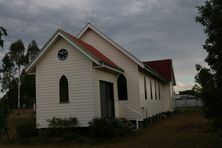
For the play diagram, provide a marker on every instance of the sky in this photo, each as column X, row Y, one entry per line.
column 149, row 29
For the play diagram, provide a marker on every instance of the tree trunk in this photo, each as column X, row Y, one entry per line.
column 19, row 106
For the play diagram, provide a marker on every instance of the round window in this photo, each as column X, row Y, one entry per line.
column 62, row 54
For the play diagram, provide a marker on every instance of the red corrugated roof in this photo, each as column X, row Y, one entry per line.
column 163, row 68
column 92, row 50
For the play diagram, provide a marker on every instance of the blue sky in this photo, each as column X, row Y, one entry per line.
column 149, row 29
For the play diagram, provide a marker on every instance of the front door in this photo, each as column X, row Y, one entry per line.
column 107, row 100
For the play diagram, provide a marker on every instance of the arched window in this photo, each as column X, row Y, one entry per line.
column 122, row 88
column 63, row 90
column 151, row 89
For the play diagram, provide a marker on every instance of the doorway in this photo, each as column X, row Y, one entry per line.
column 107, row 100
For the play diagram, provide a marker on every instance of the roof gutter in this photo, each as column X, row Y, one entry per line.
column 103, row 65
column 151, row 71
column 87, row 26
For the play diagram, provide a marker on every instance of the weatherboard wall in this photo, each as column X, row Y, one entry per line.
column 169, row 103
column 130, row 71
column 79, row 71
column 100, row 75
column 150, row 106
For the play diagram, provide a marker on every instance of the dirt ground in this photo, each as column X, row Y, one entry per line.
column 183, row 130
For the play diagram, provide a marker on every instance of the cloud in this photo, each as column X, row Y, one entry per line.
column 183, row 86
column 149, row 29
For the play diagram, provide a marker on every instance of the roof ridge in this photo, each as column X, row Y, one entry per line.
column 111, row 41
column 158, row 60
column 90, row 51
column 164, row 68
column 116, row 45
column 97, row 52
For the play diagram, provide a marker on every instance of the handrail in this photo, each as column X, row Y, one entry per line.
column 130, row 108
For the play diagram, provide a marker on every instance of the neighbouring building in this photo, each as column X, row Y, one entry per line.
column 186, row 100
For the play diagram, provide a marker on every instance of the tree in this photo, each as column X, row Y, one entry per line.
column 197, row 91
column 3, row 33
column 32, row 50
column 7, row 78
column 16, row 53
column 187, row 92
column 10, row 74
column 11, row 67
column 7, row 72
column 210, row 79
column 28, row 81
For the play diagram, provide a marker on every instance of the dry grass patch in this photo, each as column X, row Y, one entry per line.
column 184, row 130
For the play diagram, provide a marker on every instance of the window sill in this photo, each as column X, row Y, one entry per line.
column 64, row 102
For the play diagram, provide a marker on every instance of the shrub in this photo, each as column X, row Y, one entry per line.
column 26, row 130
column 60, row 127
column 107, row 128
column 168, row 113
column 62, row 122
column 217, row 122
column 3, row 116
column 70, row 136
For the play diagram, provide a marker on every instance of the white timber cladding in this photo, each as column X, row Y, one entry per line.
column 172, row 96
column 108, row 77
column 84, row 84
column 79, row 71
column 130, row 71
column 167, row 93
column 150, row 107
column 148, row 87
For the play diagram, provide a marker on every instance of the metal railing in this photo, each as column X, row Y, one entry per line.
column 139, row 115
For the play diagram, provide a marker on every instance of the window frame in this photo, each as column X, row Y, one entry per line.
column 151, row 90
column 63, row 90
column 155, row 90
column 159, row 90
column 145, row 87
column 122, row 90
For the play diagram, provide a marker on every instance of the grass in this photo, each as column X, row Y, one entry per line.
column 187, row 129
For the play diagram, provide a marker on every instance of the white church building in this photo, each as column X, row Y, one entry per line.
column 91, row 76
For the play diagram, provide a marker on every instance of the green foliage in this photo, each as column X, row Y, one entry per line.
column 107, row 128
column 210, row 79
column 210, row 17
column 65, row 133
column 195, row 91
column 217, row 122
column 7, row 70
column 211, row 95
column 188, row 92
column 16, row 52
column 3, row 32
column 62, row 122
column 11, row 66
column 12, row 63
column 70, row 136
column 26, row 130
column 7, row 63
column 3, row 116
column 61, row 127
column 32, row 50
column 27, row 83
column 11, row 95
